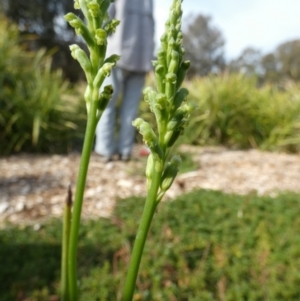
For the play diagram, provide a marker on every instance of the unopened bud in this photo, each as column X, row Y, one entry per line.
column 94, row 8
column 112, row 59
column 104, row 5
column 146, row 131
column 170, row 173
column 76, row 4
column 179, row 98
column 80, row 27
column 80, row 55
column 182, row 72
column 104, row 97
column 103, row 72
column 101, row 36
column 159, row 75
column 111, row 26
column 170, row 85
column 170, row 140
column 173, row 66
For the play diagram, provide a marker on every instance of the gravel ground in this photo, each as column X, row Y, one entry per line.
column 34, row 187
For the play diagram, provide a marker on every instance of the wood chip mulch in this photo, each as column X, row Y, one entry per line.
column 33, row 187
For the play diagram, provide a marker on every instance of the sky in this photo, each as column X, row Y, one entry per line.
column 263, row 24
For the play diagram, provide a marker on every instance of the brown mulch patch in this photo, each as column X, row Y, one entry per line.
column 34, row 187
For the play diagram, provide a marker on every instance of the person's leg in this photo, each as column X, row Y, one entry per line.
column 133, row 85
column 105, row 142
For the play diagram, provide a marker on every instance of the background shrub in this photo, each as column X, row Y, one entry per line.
column 39, row 112
column 233, row 111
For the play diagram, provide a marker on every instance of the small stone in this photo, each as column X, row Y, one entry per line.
column 37, row 227
column 20, row 206
column 3, row 207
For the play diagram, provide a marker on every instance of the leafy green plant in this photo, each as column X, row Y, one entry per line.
column 168, row 105
column 172, row 112
column 37, row 112
column 94, row 30
column 204, row 245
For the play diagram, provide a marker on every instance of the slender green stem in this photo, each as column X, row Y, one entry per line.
column 141, row 237
column 81, row 180
column 65, row 248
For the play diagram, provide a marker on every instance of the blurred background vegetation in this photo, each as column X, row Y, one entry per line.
column 250, row 101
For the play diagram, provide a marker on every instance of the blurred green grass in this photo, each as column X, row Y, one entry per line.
column 204, row 245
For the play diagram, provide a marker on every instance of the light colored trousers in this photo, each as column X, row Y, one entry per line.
column 130, row 84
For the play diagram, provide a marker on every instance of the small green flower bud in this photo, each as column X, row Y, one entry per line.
column 104, row 97
column 159, row 76
column 173, row 17
column 76, row 4
column 149, row 137
column 161, row 57
column 171, row 47
column 172, row 124
column 171, row 37
column 112, row 59
column 104, row 5
column 164, row 42
column 94, row 8
column 182, row 72
column 167, row 25
column 70, row 16
column 150, row 97
column 170, row 173
column 146, row 131
column 160, row 107
column 173, row 66
column 172, row 139
column 80, row 28
column 149, row 167
column 178, row 27
column 170, row 85
column 79, row 55
column 188, row 108
column 111, row 26
column 103, row 72
column 179, row 98
column 101, row 37
column 161, row 100
column 85, row 10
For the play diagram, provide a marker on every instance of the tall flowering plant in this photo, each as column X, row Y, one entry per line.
column 94, row 30
column 169, row 105
column 172, row 112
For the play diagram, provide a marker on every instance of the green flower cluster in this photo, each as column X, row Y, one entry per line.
column 95, row 30
column 168, row 103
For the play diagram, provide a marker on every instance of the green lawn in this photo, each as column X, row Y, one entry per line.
column 202, row 246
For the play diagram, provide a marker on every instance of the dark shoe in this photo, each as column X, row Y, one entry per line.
column 124, row 158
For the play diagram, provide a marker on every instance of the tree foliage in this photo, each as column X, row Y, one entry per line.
column 43, row 19
column 281, row 64
column 248, row 62
column 204, row 45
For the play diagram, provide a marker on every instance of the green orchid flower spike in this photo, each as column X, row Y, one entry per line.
column 94, row 29
column 172, row 112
